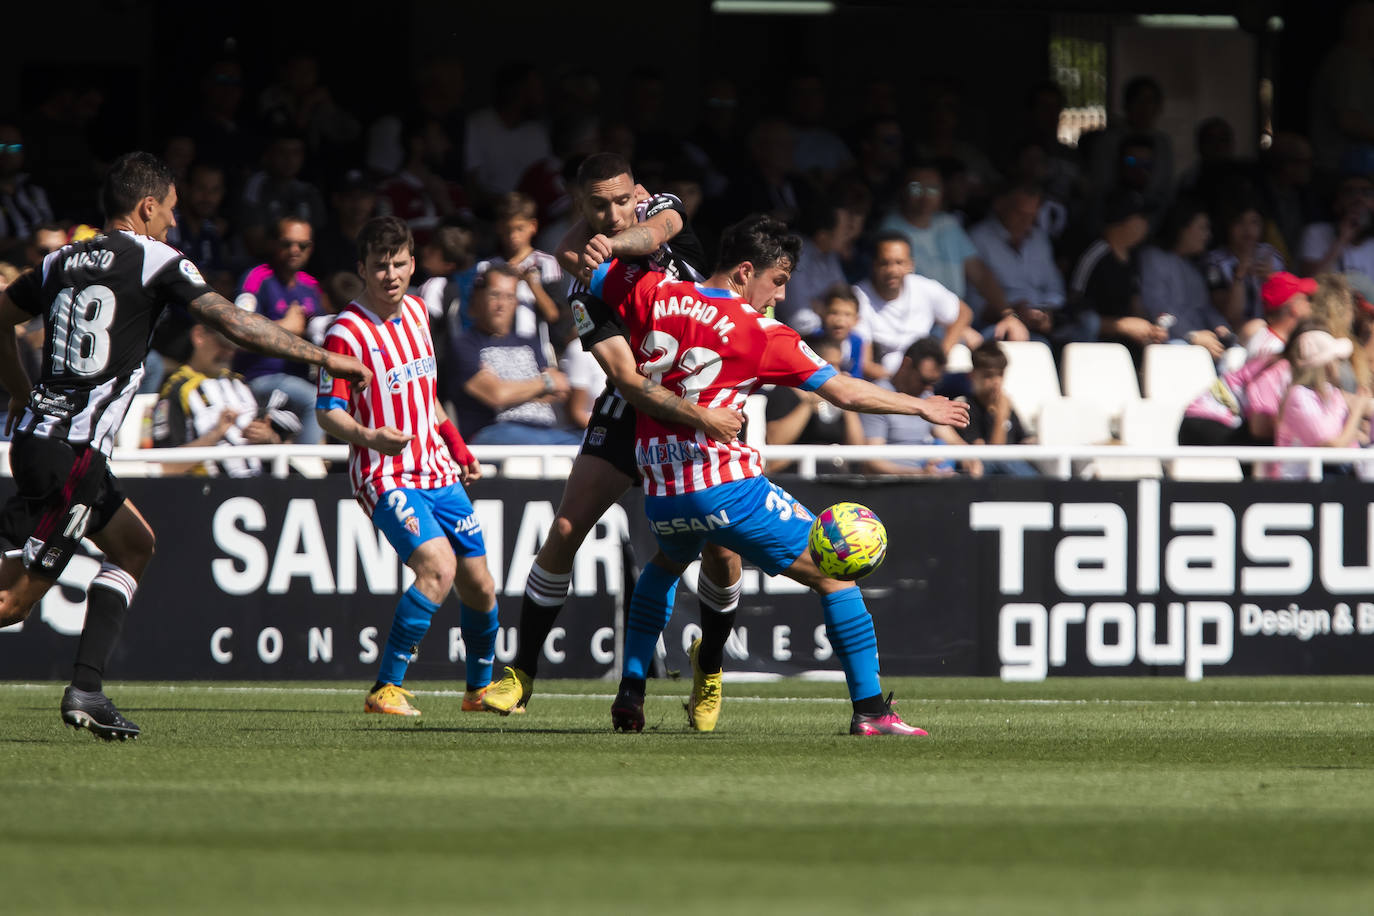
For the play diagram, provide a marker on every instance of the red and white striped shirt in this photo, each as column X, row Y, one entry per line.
column 400, row 353
column 708, row 346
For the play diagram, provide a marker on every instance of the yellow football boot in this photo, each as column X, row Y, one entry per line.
column 703, row 707
column 391, row 700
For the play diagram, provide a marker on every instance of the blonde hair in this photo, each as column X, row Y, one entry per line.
column 1333, row 305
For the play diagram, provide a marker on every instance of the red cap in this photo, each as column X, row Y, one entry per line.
column 1282, row 286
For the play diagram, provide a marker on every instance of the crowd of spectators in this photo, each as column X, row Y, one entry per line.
column 915, row 240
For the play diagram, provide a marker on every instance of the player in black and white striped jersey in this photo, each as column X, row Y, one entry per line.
column 622, row 220
column 100, row 299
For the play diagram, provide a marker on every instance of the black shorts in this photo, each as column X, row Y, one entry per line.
column 65, row 492
column 610, row 433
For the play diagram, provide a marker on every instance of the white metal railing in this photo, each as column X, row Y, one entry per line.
column 1058, row 459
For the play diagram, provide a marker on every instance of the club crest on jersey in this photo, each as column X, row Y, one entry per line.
column 398, row 378
column 412, row 525
column 597, row 436
column 191, row 272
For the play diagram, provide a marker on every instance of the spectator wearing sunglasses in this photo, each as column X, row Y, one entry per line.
column 282, row 291
column 23, row 205
column 940, row 248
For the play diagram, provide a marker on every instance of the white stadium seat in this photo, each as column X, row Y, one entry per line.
column 1147, row 423
column 959, row 359
column 1072, row 421
column 1031, row 379
column 1176, row 374
column 1102, row 373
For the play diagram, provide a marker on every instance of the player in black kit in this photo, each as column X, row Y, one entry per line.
column 100, row 300
column 622, row 220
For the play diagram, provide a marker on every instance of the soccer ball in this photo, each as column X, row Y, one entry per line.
column 847, row 541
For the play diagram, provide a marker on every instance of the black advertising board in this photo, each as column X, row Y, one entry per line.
column 1015, row 578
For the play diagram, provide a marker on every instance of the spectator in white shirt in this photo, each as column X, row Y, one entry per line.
column 507, row 138
column 1020, row 255
column 898, row 307
column 1346, row 244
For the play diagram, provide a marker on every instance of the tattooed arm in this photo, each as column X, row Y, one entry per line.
column 254, row 332
column 645, row 394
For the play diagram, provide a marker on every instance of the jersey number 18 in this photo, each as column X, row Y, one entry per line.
column 81, row 330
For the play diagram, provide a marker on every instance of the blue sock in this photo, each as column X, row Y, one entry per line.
column 650, row 607
column 413, row 614
column 479, row 638
column 849, row 628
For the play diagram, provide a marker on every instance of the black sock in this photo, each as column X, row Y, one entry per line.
column 634, row 685
column 871, row 706
column 377, row 686
column 536, row 620
column 715, row 630
column 105, row 612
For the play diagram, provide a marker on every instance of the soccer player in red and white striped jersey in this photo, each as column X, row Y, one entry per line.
column 710, row 343
column 407, row 464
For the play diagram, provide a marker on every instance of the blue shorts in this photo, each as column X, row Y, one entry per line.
column 409, row 517
column 756, row 518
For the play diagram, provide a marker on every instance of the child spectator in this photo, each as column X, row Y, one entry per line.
column 839, row 319
column 541, row 277
column 991, row 418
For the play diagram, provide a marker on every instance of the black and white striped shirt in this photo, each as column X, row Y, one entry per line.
column 100, row 300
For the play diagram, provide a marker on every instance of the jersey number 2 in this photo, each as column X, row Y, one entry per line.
column 700, row 365
column 81, row 330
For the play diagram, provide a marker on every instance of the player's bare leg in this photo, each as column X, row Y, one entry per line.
column 849, row 627
column 20, row 591
column 128, row 544
column 593, row 486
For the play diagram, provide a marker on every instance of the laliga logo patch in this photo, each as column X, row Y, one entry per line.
column 191, row 272
column 581, row 318
column 810, row 353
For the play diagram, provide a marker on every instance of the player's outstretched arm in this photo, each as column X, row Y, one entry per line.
column 340, row 424
column 856, row 394
column 618, row 361
column 12, row 373
column 254, row 332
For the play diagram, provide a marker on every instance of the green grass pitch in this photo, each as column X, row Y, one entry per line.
column 1101, row 796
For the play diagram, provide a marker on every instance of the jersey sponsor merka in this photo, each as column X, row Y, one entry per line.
column 400, row 352
column 709, row 347
column 100, row 300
